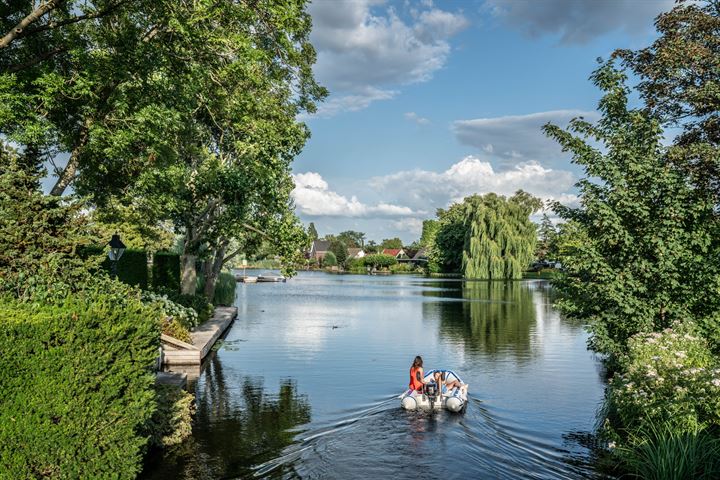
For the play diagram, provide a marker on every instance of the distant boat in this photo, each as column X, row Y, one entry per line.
column 245, row 279
column 271, row 278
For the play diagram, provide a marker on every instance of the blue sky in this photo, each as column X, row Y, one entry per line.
column 432, row 101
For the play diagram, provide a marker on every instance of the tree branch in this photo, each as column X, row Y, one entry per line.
column 34, row 16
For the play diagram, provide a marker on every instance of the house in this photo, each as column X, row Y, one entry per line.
column 319, row 249
column 395, row 252
column 421, row 256
column 355, row 253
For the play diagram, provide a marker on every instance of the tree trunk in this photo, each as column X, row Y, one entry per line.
column 68, row 173
column 188, row 282
column 213, row 271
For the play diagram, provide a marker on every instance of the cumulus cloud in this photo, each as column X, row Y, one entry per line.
column 313, row 197
column 365, row 50
column 578, row 21
column 414, row 117
column 429, row 190
column 518, row 137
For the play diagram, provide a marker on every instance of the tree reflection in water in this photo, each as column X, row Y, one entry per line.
column 494, row 317
column 232, row 433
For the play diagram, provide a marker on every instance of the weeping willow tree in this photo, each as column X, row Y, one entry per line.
column 499, row 236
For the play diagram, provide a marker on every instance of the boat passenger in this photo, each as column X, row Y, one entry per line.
column 417, row 375
column 441, row 379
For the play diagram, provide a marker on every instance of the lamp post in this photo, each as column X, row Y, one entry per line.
column 117, row 247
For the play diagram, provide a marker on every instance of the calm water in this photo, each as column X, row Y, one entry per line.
column 305, row 384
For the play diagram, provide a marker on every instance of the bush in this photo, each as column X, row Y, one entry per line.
column 172, row 421
column 132, row 268
column 403, row 268
column 668, row 377
column 199, row 303
column 76, row 379
column 329, row 260
column 185, row 316
column 225, row 289
column 356, row 265
column 380, row 260
column 166, row 271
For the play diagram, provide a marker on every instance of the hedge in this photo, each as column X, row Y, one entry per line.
column 76, row 387
column 166, row 271
column 132, row 267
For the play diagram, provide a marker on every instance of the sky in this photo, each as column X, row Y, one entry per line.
column 431, row 101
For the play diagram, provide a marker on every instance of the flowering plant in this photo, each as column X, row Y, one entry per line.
column 670, row 377
column 185, row 316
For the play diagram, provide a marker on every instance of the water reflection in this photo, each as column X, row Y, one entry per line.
column 493, row 318
column 238, row 424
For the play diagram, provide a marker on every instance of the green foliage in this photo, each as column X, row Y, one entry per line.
column 645, row 248
column 403, row 268
column 329, row 260
column 132, row 268
column 547, row 246
column 391, row 243
column 225, row 289
column 351, row 238
column 76, row 380
column 500, row 238
column 356, row 265
column 39, row 237
column 680, row 84
column 662, row 452
column 166, row 271
column 185, row 316
column 171, row 423
column 312, row 232
column 668, row 377
column 340, row 250
column 447, row 250
column 429, row 230
column 379, row 260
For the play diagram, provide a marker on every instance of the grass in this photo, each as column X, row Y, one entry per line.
column 663, row 453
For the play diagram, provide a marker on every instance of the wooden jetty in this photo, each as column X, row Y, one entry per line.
column 177, row 352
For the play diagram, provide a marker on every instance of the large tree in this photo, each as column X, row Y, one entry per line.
column 499, row 237
column 644, row 247
column 680, row 85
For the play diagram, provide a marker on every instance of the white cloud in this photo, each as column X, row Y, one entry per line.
column 578, row 21
column 366, row 51
column 411, row 225
column 414, row 117
column 428, row 190
column 314, row 198
column 518, row 137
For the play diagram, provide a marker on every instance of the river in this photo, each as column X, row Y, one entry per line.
column 305, row 384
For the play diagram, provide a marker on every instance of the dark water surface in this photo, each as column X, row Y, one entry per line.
column 305, row 384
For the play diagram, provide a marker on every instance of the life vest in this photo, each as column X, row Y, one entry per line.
column 415, row 384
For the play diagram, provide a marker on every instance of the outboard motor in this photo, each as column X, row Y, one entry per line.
column 432, row 391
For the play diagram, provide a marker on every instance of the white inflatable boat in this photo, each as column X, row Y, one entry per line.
column 430, row 398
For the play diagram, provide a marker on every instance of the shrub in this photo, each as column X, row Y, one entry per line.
column 668, row 377
column 132, row 268
column 185, row 316
column 166, row 271
column 329, row 260
column 172, row 421
column 199, row 303
column 402, row 268
column 356, row 265
column 380, row 260
column 225, row 289
column 76, row 379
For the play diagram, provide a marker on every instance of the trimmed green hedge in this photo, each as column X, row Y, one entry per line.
column 132, row 268
column 166, row 271
column 76, row 387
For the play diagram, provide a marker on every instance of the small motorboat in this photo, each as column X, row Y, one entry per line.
column 271, row 278
column 431, row 398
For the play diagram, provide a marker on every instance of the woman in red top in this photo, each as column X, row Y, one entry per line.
column 417, row 375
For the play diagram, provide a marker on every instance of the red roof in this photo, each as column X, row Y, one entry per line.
column 391, row 251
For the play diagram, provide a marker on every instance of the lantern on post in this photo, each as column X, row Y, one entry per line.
column 117, row 247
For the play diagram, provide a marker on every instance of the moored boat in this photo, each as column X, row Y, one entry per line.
column 431, row 398
column 271, row 278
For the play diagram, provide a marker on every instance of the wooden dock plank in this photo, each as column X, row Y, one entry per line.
column 176, row 352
